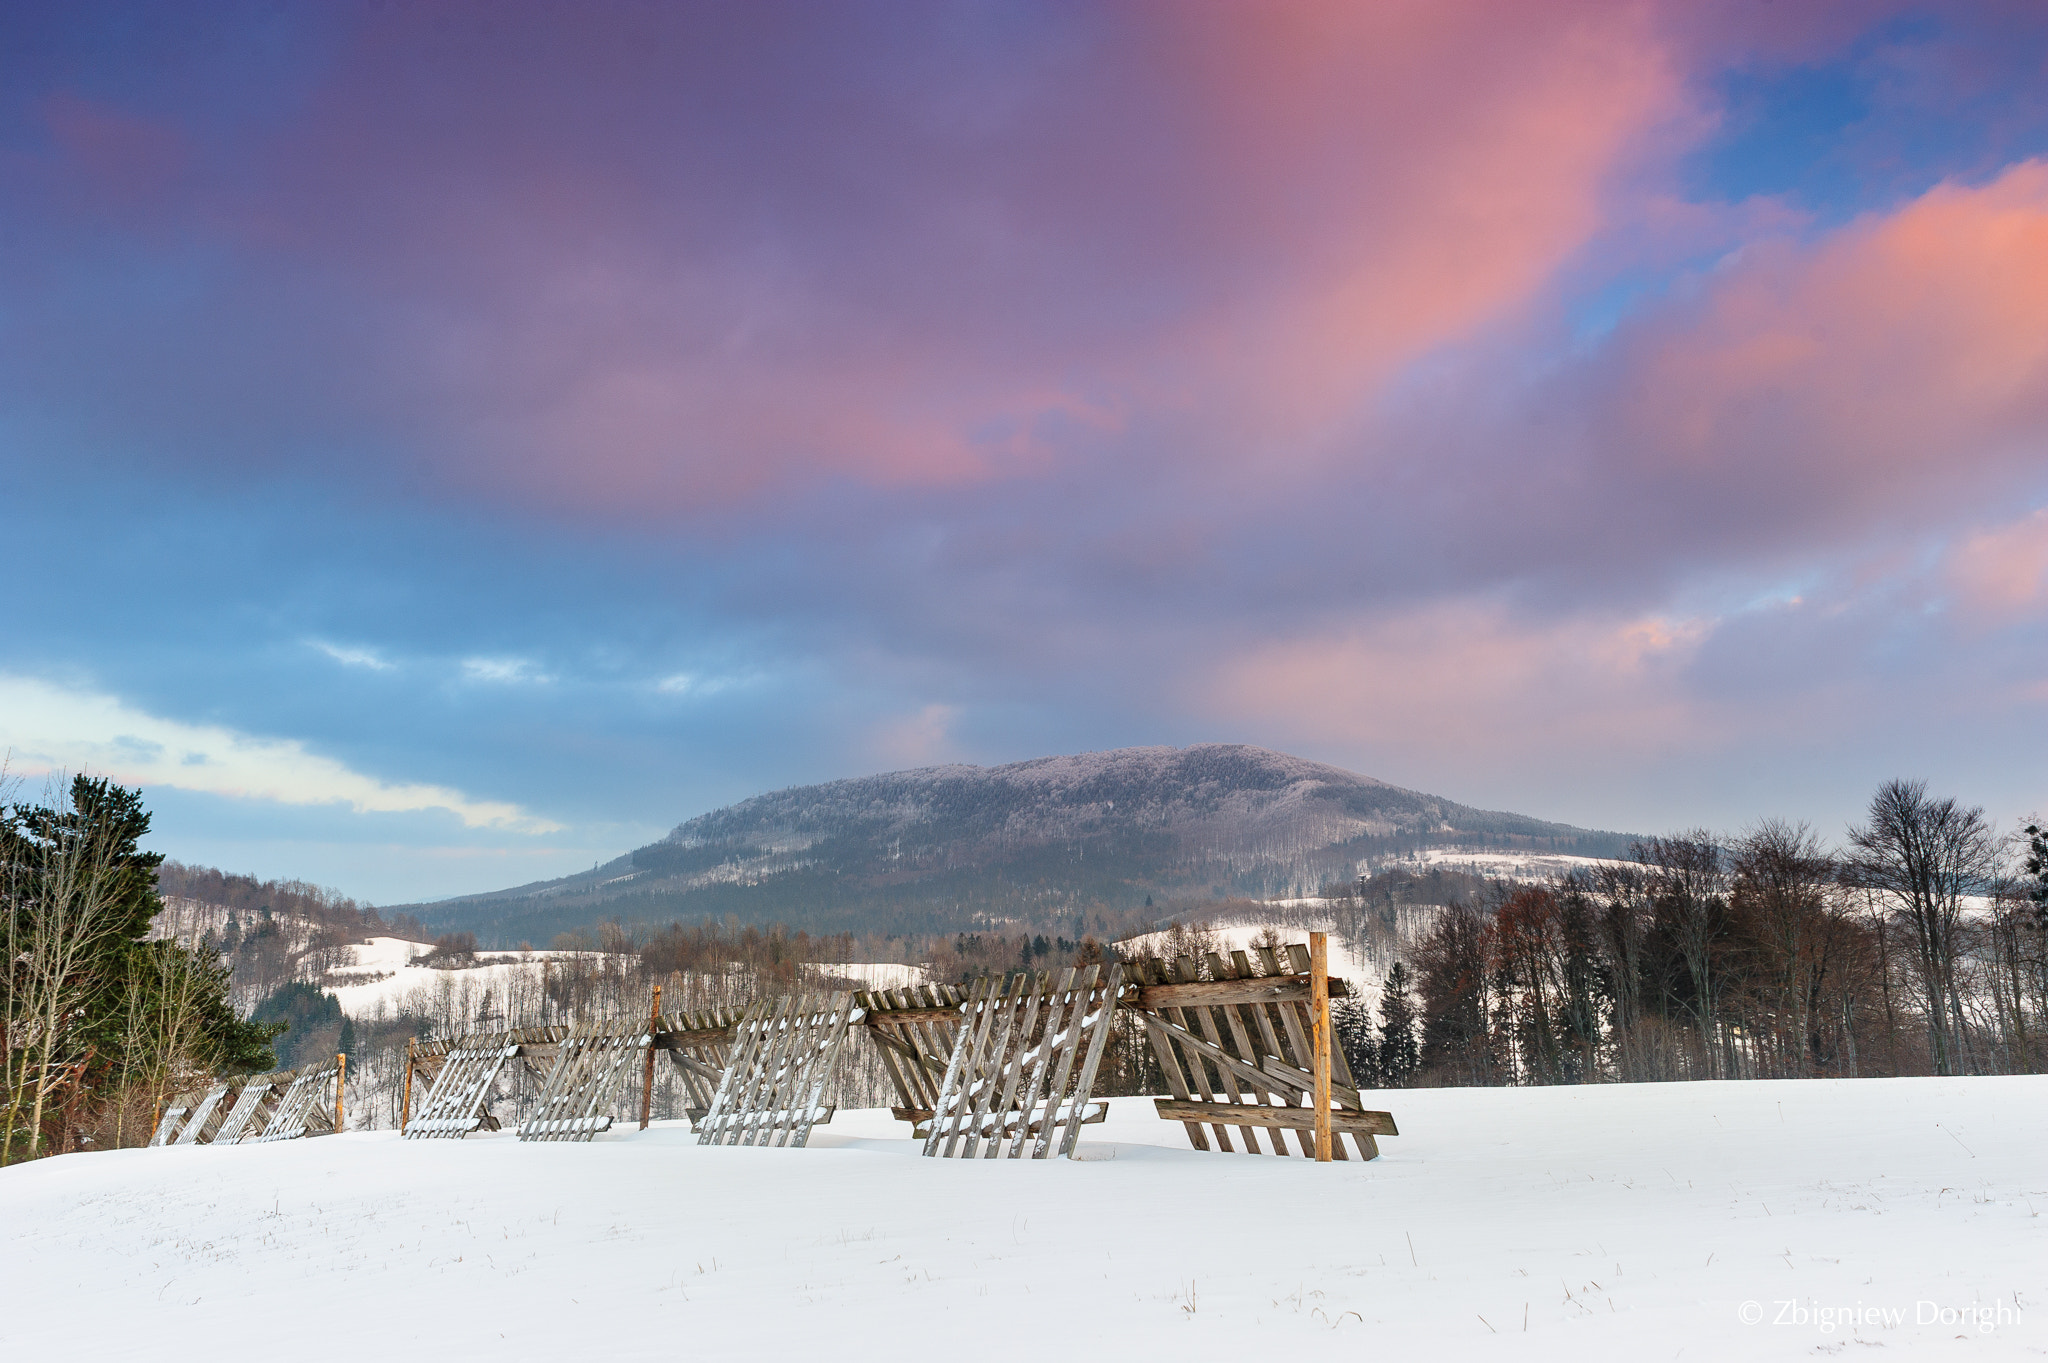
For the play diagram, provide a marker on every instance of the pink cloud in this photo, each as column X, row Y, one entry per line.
column 1460, row 678
column 2000, row 575
column 1890, row 367
column 622, row 280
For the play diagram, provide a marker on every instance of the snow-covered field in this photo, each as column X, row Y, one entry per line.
column 387, row 978
column 871, row 974
column 1676, row 1221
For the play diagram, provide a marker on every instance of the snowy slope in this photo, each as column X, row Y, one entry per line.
column 1619, row 1222
column 383, row 976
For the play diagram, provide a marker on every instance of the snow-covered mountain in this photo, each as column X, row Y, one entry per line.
column 957, row 847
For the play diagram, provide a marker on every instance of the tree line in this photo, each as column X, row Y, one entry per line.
column 1916, row 947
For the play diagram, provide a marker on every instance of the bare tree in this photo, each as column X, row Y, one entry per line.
column 166, row 1045
column 1782, row 879
column 1925, row 857
column 1689, row 888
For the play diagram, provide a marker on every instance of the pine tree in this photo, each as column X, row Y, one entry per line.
column 1352, row 1023
column 1397, row 1051
column 77, row 894
column 2037, row 871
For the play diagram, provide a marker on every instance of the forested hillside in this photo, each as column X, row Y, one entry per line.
column 1035, row 843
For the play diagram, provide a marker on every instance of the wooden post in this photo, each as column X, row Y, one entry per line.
column 405, row 1110
column 647, row 1070
column 340, row 1080
column 1319, row 1022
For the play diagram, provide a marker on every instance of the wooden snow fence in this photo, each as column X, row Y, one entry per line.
column 591, row 1062
column 463, row 1080
column 254, row 1104
column 306, row 1107
column 208, row 1115
column 1023, row 1066
column 784, row 1055
column 449, row 1068
column 915, row 1030
column 697, row 1044
column 1237, row 1051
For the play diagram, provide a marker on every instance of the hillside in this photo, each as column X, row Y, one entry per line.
column 952, row 848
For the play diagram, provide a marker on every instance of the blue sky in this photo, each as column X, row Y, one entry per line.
column 449, row 445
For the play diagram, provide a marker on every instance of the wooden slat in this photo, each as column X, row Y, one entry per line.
column 1024, row 1040
column 168, row 1124
column 1169, row 1061
column 784, row 1055
column 1259, row 1044
column 206, row 1118
column 303, row 1107
column 1262, row 1018
column 1289, row 1118
column 1212, row 993
column 1042, row 1068
column 1098, row 1039
column 252, row 1108
column 591, row 1064
column 457, row 1103
column 1228, row 1016
column 960, row 1070
column 1197, row 1071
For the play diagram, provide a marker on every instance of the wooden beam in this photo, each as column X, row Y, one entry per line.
column 1306, row 1082
column 676, row 1041
column 889, row 1017
column 1286, row 1118
column 1319, row 1024
column 647, row 1065
column 1221, row 993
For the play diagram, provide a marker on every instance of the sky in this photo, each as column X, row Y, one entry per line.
column 445, row 445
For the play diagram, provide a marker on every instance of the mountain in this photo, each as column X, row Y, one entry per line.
column 952, row 848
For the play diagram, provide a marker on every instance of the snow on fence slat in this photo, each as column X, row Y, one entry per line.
column 1023, row 1065
column 303, row 1108
column 252, row 1108
column 782, row 1060
column 457, row 1103
column 590, row 1064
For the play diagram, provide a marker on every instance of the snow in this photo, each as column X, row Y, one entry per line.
column 1348, row 959
column 1610, row 1222
column 392, row 980
column 1531, row 867
column 871, row 974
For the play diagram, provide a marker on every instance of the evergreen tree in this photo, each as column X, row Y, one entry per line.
column 90, row 1007
column 310, row 1019
column 2037, row 871
column 1352, row 1023
column 1398, row 1053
